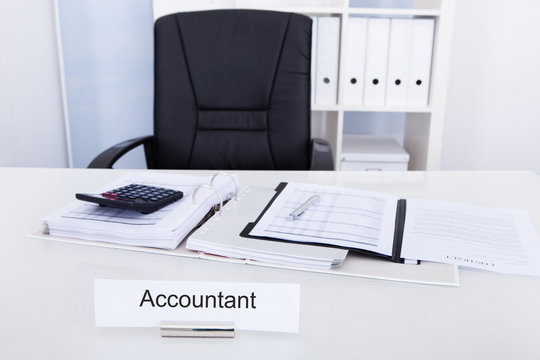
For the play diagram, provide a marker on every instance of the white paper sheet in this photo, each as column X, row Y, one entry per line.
column 344, row 217
column 500, row 240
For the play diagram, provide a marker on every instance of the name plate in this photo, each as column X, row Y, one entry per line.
column 147, row 303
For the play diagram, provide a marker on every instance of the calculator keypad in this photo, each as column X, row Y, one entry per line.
column 143, row 198
column 139, row 194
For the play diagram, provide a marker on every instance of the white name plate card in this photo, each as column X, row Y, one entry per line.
column 147, row 303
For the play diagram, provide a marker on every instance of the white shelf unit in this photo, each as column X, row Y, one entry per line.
column 422, row 137
column 423, row 125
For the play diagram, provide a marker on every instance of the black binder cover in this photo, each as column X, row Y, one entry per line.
column 398, row 230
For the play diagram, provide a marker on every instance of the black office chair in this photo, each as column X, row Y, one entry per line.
column 232, row 91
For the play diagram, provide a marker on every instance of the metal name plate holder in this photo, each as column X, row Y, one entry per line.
column 218, row 329
column 215, row 329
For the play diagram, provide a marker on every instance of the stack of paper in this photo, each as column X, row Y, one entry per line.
column 164, row 229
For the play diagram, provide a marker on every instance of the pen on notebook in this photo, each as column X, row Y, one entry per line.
column 302, row 208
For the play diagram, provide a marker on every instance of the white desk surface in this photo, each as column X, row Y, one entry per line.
column 46, row 296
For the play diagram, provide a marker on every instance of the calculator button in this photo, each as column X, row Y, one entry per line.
column 143, row 198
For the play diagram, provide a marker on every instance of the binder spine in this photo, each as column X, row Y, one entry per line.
column 398, row 230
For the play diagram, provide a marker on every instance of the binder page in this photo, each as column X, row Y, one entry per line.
column 500, row 240
column 344, row 217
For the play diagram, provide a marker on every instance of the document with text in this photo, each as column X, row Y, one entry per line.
column 501, row 240
column 343, row 217
column 494, row 239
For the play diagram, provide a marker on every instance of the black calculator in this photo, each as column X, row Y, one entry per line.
column 143, row 198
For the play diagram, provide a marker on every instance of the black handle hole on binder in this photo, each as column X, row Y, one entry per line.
column 375, row 81
column 398, row 82
column 353, row 81
column 326, row 80
column 418, row 82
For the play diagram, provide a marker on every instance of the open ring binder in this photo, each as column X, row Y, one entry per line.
column 231, row 177
column 211, row 188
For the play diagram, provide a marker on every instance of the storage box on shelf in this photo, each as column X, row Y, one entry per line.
column 372, row 153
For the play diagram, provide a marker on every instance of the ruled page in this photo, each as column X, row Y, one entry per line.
column 344, row 217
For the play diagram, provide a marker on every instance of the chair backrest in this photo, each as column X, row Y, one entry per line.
column 232, row 90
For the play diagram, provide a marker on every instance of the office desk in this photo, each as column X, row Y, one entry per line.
column 47, row 293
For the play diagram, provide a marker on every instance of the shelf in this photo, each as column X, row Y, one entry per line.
column 401, row 109
column 302, row 10
column 360, row 108
column 392, row 12
column 315, row 107
column 351, row 11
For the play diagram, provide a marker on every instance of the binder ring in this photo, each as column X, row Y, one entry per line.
column 231, row 177
column 211, row 188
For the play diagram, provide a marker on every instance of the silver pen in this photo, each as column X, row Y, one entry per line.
column 302, row 208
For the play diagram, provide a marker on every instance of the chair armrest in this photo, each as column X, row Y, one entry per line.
column 321, row 155
column 108, row 157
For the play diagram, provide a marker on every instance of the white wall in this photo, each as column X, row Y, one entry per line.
column 31, row 118
column 493, row 110
column 108, row 66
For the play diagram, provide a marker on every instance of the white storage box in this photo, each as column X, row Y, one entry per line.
column 369, row 152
